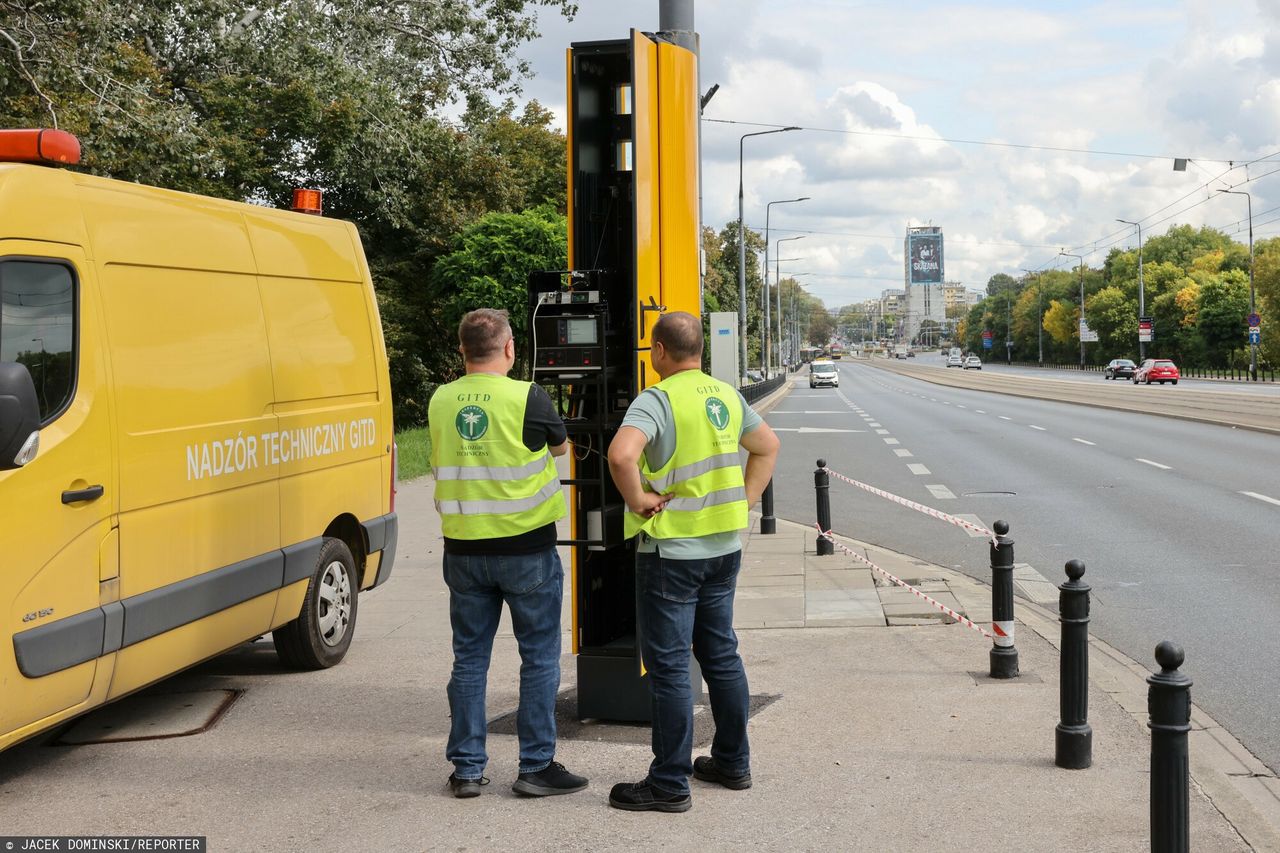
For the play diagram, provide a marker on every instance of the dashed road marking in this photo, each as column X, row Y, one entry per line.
column 1262, row 498
column 1033, row 426
column 1003, row 418
column 882, row 432
column 981, row 412
column 891, row 441
column 941, row 492
column 902, row 451
column 1152, row 464
column 1085, row 441
column 961, row 406
column 917, row 468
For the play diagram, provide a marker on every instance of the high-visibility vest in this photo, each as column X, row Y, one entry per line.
column 488, row 484
column 704, row 475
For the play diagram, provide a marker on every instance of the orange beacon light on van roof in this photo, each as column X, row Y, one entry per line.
column 306, row 201
column 51, row 147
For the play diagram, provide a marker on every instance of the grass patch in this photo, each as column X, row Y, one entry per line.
column 415, row 453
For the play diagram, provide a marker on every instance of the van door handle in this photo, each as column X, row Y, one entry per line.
column 72, row 496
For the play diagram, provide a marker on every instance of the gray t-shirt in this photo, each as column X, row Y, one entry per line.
column 651, row 414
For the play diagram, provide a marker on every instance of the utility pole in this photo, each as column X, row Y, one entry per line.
column 1082, row 324
column 1142, row 298
column 1253, row 348
column 1039, row 318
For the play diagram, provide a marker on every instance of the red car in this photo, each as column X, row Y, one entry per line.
column 1160, row 370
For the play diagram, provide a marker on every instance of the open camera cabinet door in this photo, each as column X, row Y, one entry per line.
column 633, row 219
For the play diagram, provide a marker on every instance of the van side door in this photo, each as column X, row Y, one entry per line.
column 58, row 510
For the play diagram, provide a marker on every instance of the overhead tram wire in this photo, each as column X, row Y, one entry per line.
column 955, row 141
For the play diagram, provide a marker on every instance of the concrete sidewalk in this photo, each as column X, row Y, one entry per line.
column 872, row 735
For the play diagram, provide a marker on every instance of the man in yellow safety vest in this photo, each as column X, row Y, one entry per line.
column 498, row 495
column 675, row 462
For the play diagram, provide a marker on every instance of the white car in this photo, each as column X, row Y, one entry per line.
column 973, row 362
column 823, row 373
column 955, row 361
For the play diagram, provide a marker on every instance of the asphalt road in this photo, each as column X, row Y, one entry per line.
column 1178, row 522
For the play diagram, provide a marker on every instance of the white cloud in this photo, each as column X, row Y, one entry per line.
column 1197, row 78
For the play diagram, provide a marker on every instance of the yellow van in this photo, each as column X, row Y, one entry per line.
column 196, row 443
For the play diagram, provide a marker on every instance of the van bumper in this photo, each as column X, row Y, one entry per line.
column 382, row 533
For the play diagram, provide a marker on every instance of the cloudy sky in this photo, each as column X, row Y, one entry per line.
column 1149, row 79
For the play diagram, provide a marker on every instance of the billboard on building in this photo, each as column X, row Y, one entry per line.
column 924, row 258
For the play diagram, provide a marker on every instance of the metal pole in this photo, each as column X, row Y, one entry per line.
column 742, row 254
column 1169, row 704
column 1082, row 320
column 765, row 272
column 676, row 17
column 1142, row 298
column 1004, row 656
column 1253, row 348
column 1073, row 742
column 822, row 485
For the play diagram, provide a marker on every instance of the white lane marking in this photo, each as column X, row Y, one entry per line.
column 1033, row 426
column 1262, row 497
column 970, row 517
column 917, row 468
column 1003, row 418
column 882, row 432
column 902, row 451
column 961, row 406
column 873, row 424
column 1084, row 441
column 934, row 399
column 941, row 492
column 1152, row 464
column 891, row 441
column 779, row 412
column 814, row 429
column 981, row 412
column 945, row 403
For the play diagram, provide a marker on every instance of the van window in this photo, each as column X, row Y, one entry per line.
column 37, row 328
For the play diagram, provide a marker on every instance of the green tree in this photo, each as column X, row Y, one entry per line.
column 1223, row 306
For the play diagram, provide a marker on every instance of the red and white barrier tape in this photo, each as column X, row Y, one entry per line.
column 963, row 620
column 918, row 507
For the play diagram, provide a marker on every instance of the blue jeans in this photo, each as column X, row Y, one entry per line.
column 533, row 586
column 683, row 604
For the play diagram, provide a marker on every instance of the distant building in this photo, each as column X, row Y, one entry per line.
column 955, row 294
column 923, row 277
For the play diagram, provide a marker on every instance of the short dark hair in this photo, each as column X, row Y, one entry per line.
column 680, row 333
column 483, row 333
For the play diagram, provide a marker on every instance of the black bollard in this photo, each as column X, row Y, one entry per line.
column 1004, row 657
column 822, row 485
column 1073, row 748
column 768, row 524
column 1169, row 704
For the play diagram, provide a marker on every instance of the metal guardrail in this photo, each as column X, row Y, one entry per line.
column 1229, row 374
column 760, row 390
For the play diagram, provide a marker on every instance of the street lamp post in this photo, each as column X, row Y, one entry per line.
column 777, row 258
column 1039, row 317
column 742, row 258
column 1253, row 348
column 1142, row 297
column 1082, row 324
column 768, row 328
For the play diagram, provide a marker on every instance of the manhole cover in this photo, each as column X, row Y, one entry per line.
column 996, row 494
column 151, row 716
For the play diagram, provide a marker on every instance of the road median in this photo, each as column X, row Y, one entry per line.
column 1243, row 411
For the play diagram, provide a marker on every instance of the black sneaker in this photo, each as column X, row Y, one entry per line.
column 549, row 781
column 464, row 789
column 706, row 769
column 643, row 797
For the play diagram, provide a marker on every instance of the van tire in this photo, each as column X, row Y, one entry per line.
column 302, row 643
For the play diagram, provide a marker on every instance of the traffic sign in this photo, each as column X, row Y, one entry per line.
column 1146, row 330
column 1255, row 336
column 1255, row 320
column 986, row 342
column 1088, row 337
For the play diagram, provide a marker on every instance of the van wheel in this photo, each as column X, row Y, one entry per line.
column 321, row 635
